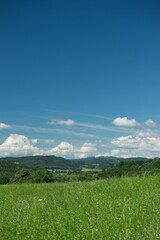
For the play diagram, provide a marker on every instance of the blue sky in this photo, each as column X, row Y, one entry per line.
column 79, row 78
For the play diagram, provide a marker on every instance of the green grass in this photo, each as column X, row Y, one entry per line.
column 120, row 209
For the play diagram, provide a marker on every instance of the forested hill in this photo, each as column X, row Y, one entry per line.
column 54, row 169
column 53, row 162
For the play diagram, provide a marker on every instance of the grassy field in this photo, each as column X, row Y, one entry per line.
column 126, row 208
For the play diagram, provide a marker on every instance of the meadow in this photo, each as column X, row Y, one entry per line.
column 119, row 208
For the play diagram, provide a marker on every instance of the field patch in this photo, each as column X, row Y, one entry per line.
column 119, row 208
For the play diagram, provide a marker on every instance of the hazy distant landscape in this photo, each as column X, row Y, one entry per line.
column 36, row 169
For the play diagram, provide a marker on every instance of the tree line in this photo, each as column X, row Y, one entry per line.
column 15, row 173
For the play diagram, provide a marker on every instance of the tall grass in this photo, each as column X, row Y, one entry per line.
column 125, row 208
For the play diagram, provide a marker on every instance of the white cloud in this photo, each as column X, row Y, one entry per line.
column 84, row 125
column 136, row 146
column 18, row 145
column 150, row 123
column 4, row 126
column 147, row 133
column 122, row 153
column 95, row 126
column 67, row 150
column 124, row 122
column 104, row 154
column 127, row 141
column 64, row 149
column 34, row 141
column 87, row 149
column 68, row 122
column 41, row 140
column 141, row 143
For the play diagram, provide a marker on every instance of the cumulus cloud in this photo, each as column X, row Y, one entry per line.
column 87, row 149
column 147, row 133
column 18, row 145
column 127, row 141
column 124, row 122
column 123, row 153
column 143, row 143
column 67, row 150
column 150, row 123
column 4, row 126
column 136, row 146
column 63, row 149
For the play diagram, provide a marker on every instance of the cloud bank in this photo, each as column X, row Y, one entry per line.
column 136, row 146
column 142, row 141
column 19, row 145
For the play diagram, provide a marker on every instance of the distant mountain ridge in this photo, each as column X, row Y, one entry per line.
column 54, row 162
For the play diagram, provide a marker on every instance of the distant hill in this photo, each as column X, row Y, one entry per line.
column 53, row 162
column 35, row 168
column 42, row 162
